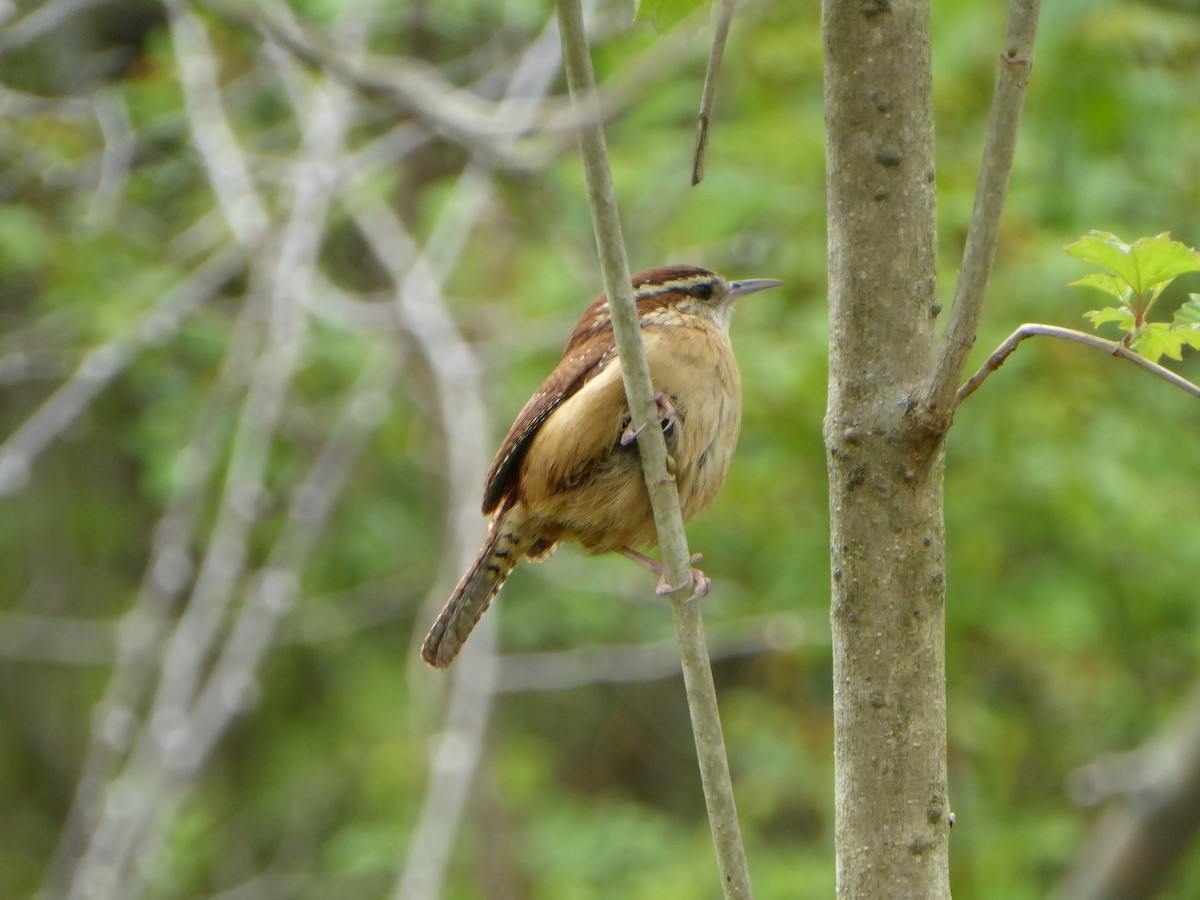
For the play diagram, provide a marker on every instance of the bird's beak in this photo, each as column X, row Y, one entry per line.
column 750, row 286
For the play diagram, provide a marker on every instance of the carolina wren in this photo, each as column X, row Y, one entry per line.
column 568, row 469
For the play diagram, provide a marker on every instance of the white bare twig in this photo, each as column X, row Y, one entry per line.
column 521, row 132
column 463, row 420
column 141, row 630
column 113, row 118
column 232, row 686
column 621, row 664
column 174, row 741
column 228, row 171
column 101, row 365
column 458, row 394
column 40, row 21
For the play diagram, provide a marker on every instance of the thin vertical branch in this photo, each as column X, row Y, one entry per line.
column 1016, row 60
column 113, row 118
column 228, row 172
column 720, row 36
column 664, row 498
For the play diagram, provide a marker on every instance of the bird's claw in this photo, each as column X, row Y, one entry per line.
column 699, row 581
column 666, row 417
column 666, row 412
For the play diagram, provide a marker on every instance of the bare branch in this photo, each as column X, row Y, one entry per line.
column 414, row 87
column 101, row 365
column 117, row 131
column 171, row 746
column 56, row 639
column 462, row 417
column 458, row 393
column 511, row 134
column 1149, row 824
column 228, row 171
column 41, row 20
column 1113, row 348
column 664, row 498
column 720, row 36
column 141, row 631
column 621, row 664
column 938, row 395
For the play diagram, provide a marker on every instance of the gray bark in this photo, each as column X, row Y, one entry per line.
column 885, row 470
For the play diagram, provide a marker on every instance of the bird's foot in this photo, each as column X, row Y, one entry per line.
column 700, row 582
column 666, row 417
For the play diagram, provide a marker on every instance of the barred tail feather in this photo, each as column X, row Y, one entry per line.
column 470, row 600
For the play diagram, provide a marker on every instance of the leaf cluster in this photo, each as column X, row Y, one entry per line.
column 1136, row 275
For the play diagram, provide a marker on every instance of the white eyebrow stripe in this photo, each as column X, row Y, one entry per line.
column 650, row 289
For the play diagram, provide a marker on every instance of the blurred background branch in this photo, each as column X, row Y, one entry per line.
column 1151, row 800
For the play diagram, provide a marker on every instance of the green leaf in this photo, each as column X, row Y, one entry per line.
column 1188, row 315
column 1123, row 316
column 1157, row 340
column 1103, row 249
column 1144, row 264
column 666, row 14
column 1110, row 285
column 1187, row 321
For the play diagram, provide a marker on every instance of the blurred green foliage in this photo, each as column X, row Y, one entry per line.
column 1072, row 480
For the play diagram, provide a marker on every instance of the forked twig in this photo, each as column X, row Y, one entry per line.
column 983, row 234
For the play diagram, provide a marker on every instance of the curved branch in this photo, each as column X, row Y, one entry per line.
column 1113, row 348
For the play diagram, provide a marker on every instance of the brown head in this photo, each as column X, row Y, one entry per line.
column 664, row 293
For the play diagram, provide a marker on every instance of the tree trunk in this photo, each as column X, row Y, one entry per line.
column 885, row 473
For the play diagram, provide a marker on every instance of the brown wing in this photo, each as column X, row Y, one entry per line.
column 588, row 349
column 584, row 360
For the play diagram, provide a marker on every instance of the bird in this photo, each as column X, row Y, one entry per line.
column 569, row 469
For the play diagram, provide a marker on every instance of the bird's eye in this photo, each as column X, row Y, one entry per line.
column 702, row 291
